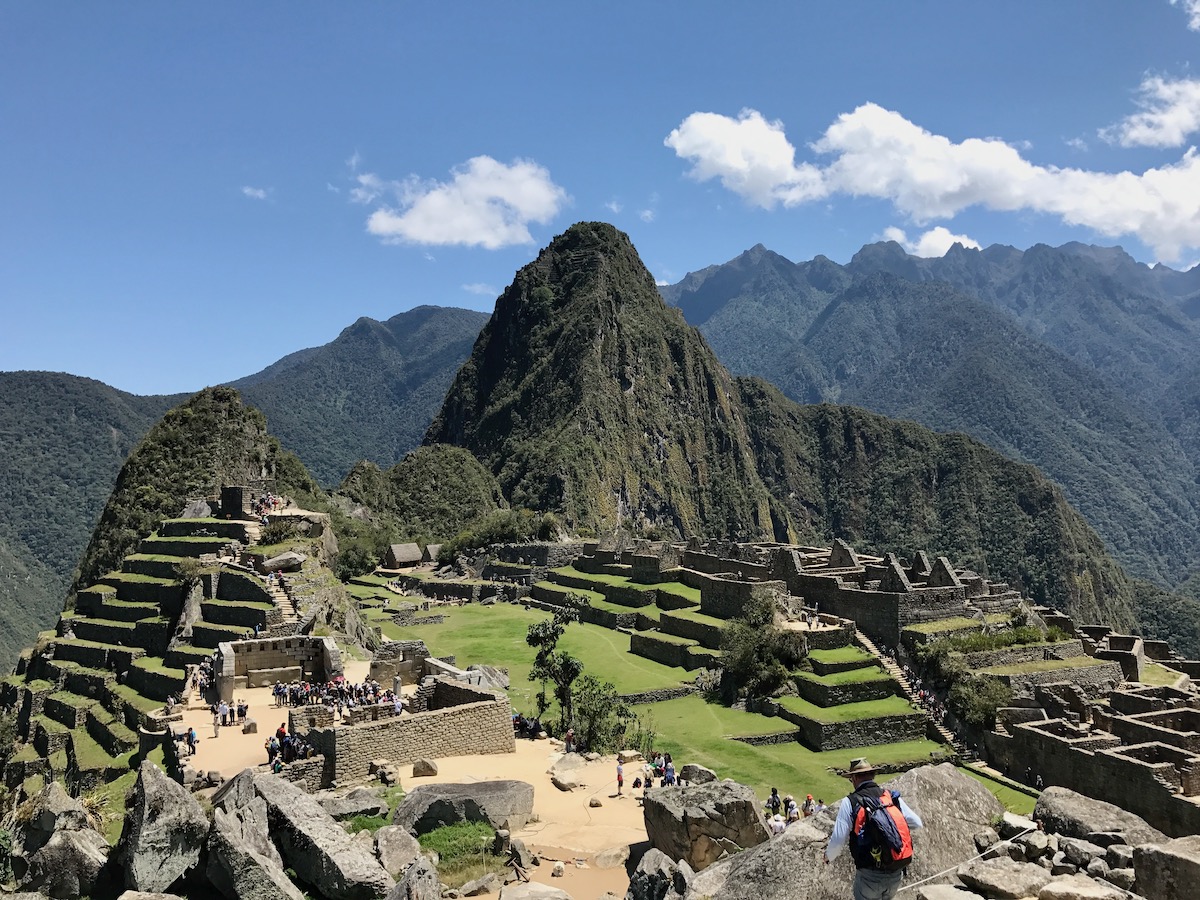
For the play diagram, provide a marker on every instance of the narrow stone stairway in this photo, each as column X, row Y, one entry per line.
column 895, row 671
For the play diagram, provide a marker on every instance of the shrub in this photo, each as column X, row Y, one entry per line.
column 975, row 699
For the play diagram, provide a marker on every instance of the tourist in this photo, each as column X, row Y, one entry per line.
column 223, row 709
column 281, row 732
column 791, row 810
column 620, row 777
column 821, row 807
column 778, row 826
column 216, row 723
column 881, row 882
column 808, row 807
column 774, row 802
column 191, row 741
column 569, row 743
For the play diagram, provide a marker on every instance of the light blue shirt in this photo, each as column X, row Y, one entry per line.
column 844, row 822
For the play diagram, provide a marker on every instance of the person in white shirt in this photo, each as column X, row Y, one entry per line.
column 869, row 883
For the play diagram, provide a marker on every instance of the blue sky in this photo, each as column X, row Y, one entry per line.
column 191, row 191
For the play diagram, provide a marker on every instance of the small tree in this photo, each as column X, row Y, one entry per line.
column 557, row 667
column 601, row 714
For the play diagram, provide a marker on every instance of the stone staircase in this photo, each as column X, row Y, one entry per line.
column 893, row 669
column 283, row 602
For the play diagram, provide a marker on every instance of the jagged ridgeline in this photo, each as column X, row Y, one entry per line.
column 210, row 440
column 588, row 396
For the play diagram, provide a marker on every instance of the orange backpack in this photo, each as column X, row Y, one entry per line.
column 880, row 838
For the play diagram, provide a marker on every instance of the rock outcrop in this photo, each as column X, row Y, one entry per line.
column 419, row 882
column 316, row 848
column 396, row 848
column 1170, row 870
column 502, row 804
column 704, row 822
column 658, row 878
column 56, row 851
column 358, row 802
column 1062, row 811
column 791, row 867
column 165, row 829
column 243, row 864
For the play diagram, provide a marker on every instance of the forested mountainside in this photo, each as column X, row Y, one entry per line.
column 64, row 441
column 368, row 394
column 1073, row 359
column 587, row 396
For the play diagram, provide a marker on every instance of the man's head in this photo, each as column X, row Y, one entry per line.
column 860, row 771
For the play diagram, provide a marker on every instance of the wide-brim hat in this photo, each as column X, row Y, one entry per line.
column 777, row 818
column 860, row 766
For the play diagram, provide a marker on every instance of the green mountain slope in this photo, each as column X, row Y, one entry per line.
column 64, row 440
column 586, row 395
column 211, row 440
column 368, row 394
column 994, row 359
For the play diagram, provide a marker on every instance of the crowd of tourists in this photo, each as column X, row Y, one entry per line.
column 784, row 811
column 338, row 696
column 266, row 504
column 284, row 748
column 229, row 713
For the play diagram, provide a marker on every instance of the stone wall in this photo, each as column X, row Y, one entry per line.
column 711, row 564
column 1094, row 681
column 1011, row 656
column 831, row 638
column 472, row 728
column 660, row 695
column 822, row 694
column 651, row 646
column 544, row 555
column 318, row 657
column 821, row 736
column 1177, row 727
column 706, row 633
column 405, row 659
column 725, row 599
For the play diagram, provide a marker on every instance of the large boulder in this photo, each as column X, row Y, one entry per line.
column 1062, row 811
column 532, row 890
column 419, row 882
column 1079, row 887
column 1170, row 870
column 1004, row 878
column 700, row 823
column 358, row 802
column 396, row 848
column 502, row 804
column 692, row 773
column 658, row 878
column 567, row 772
column 791, row 867
column 317, row 848
column 56, row 851
column 66, row 866
column 165, row 829
column 490, row 677
column 243, row 864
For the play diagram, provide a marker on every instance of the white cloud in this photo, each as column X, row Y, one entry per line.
column 934, row 242
column 1192, row 8
column 1077, row 143
column 614, row 207
column 876, row 152
column 478, row 287
column 254, row 193
column 646, row 215
column 484, row 204
column 751, row 156
column 661, row 282
column 1170, row 112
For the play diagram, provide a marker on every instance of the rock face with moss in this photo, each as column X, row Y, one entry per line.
column 586, row 395
column 210, row 440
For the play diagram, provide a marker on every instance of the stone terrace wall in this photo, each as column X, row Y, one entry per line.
column 709, row 564
column 1011, row 656
column 825, row 695
column 726, row 599
column 403, row 658
column 473, row 728
column 820, row 736
column 1178, row 727
column 544, row 555
column 1095, row 681
column 319, row 658
column 876, row 612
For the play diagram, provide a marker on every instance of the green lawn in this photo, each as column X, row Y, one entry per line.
column 693, row 731
column 1154, row 673
column 1045, row 665
column 679, row 590
column 849, row 712
column 563, row 591
column 955, row 623
column 496, row 635
column 1014, row 801
column 846, row 654
column 850, row 676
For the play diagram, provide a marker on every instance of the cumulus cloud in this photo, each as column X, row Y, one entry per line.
column 934, row 242
column 478, row 287
column 254, row 193
column 614, row 207
column 875, row 152
column 1170, row 112
column 751, row 156
column 1192, row 8
column 646, row 215
column 485, row 203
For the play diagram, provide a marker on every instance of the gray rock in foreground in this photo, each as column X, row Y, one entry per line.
column 703, row 822
column 419, row 882
column 243, row 864
column 1004, row 878
column 791, row 866
column 396, row 848
column 67, row 865
column 657, row 878
column 502, row 804
column 165, row 829
column 1170, row 870
column 318, row 849
column 1062, row 811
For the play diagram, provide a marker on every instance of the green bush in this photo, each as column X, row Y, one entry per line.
column 366, row 823
column 975, row 699
column 454, row 842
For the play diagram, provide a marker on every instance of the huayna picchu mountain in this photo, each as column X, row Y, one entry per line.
column 588, row 396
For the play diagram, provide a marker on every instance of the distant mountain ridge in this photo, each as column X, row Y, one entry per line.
column 1075, row 359
column 369, row 394
column 587, row 396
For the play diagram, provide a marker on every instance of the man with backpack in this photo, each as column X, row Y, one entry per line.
column 876, row 824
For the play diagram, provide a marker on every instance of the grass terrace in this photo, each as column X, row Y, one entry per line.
column 849, row 712
column 679, row 590
column 955, row 623
column 562, row 590
column 1158, row 674
column 1045, row 665
column 850, row 653
column 613, row 580
column 851, row 676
